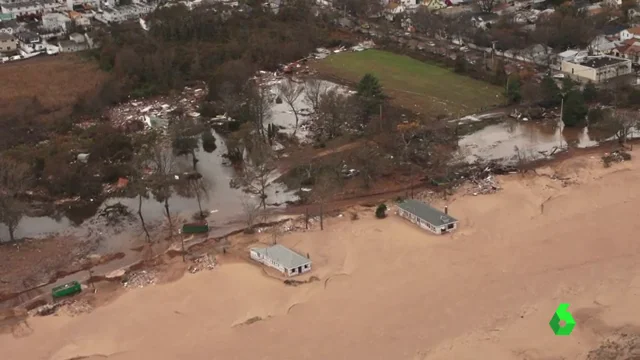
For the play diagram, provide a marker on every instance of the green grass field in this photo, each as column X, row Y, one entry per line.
column 422, row 87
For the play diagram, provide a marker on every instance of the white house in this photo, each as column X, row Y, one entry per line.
column 38, row 7
column 281, row 258
column 630, row 33
column 597, row 68
column 123, row 13
column 426, row 217
column 55, row 21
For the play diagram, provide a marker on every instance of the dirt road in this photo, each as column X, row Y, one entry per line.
column 391, row 291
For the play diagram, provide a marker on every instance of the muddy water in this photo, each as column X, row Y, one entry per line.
column 223, row 202
column 508, row 140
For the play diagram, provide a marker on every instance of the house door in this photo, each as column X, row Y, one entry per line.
column 299, row 269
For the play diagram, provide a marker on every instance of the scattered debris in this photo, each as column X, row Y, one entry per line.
column 615, row 157
column 291, row 282
column 485, row 186
column 84, row 158
column 68, row 307
column 139, row 279
column 204, row 262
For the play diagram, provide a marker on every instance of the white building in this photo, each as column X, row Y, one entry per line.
column 282, row 259
column 630, row 33
column 30, row 43
column 38, row 7
column 123, row 13
column 55, row 22
column 597, row 68
column 426, row 217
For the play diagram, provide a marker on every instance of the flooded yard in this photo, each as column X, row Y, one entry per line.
column 511, row 140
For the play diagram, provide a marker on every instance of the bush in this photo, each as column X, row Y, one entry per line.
column 381, row 211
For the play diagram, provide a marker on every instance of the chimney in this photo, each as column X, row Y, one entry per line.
column 446, row 210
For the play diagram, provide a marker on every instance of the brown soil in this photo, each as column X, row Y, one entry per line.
column 57, row 81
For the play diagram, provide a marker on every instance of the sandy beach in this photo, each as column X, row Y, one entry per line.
column 389, row 290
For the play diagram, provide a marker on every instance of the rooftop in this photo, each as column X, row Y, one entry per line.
column 283, row 256
column 634, row 30
column 425, row 212
column 5, row 36
column 596, row 62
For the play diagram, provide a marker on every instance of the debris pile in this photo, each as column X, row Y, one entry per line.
column 615, row 157
column 75, row 308
column 484, row 186
column 140, row 279
column 154, row 112
column 68, row 307
column 204, row 262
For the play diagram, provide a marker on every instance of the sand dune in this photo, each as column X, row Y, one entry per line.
column 391, row 291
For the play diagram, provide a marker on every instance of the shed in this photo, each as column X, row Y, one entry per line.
column 281, row 258
column 427, row 217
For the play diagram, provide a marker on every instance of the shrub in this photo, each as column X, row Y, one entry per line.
column 381, row 211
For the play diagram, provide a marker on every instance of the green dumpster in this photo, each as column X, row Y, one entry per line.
column 67, row 289
column 195, row 228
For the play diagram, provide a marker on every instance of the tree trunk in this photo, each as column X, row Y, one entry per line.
column 321, row 216
column 166, row 209
column 199, row 204
column 144, row 225
column 194, row 159
column 295, row 113
column 306, row 219
column 12, row 230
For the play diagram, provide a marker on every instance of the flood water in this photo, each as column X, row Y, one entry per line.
column 531, row 140
column 222, row 201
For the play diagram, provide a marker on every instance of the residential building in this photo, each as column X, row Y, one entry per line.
column 8, row 43
column 9, row 27
column 72, row 46
column 630, row 33
column 36, row 7
column 597, row 68
column 55, row 22
column 426, row 217
column 123, row 13
column 600, row 45
column 80, row 19
column 282, row 259
column 30, row 43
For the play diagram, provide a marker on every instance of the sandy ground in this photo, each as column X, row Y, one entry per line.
column 391, row 291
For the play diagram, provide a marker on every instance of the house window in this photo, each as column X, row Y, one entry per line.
column 293, row 271
column 306, row 266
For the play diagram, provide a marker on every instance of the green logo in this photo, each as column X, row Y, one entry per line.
column 562, row 314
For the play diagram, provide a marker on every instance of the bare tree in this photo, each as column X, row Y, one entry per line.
column 257, row 172
column 290, row 93
column 323, row 189
column 259, row 107
column 163, row 164
column 314, row 89
column 138, row 184
column 619, row 123
column 14, row 179
column 335, row 111
column 251, row 210
column 197, row 187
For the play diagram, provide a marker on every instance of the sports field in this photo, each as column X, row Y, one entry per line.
column 419, row 86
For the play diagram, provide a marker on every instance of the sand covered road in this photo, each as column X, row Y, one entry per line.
column 391, row 291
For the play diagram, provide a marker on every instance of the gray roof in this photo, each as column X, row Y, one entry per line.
column 283, row 256
column 427, row 213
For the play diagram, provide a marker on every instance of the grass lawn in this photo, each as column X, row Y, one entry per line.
column 422, row 87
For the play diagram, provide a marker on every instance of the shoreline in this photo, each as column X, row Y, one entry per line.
column 350, row 284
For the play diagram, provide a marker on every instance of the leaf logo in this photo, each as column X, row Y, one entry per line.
column 562, row 314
